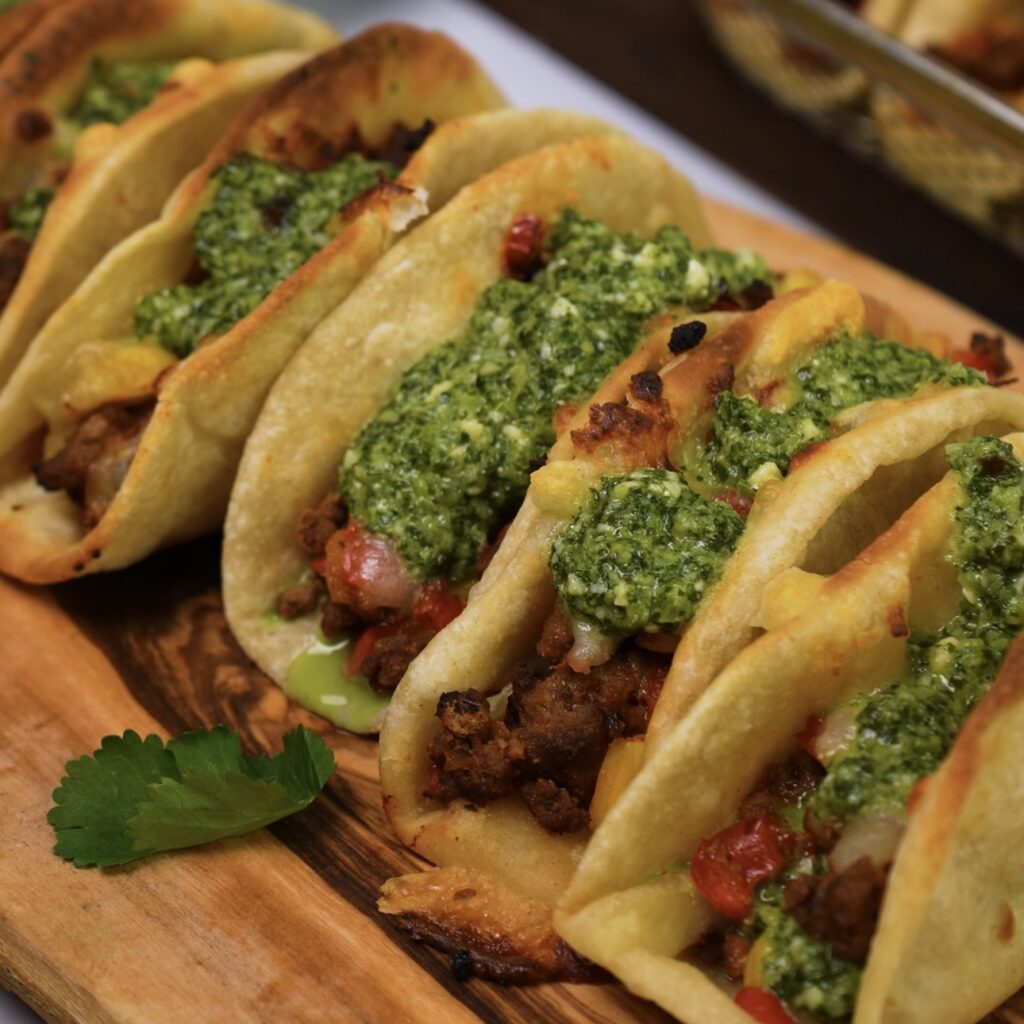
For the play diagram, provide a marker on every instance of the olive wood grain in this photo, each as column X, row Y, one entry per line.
column 280, row 925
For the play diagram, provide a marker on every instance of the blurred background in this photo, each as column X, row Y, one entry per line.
column 658, row 53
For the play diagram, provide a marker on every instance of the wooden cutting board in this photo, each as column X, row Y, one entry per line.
column 281, row 925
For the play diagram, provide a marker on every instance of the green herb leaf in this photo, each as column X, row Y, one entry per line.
column 135, row 797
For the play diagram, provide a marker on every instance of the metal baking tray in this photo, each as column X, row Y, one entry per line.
column 935, row 128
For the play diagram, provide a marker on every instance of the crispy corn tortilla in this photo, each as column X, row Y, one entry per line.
column 868, row 476
column 42, row 77
column 419, row 296
column 120, row 177
column 178, row 483
column 946, row 946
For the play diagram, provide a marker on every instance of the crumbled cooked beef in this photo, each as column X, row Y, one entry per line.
column 785, row 783
column 735, row 950
column 300, row 599
column 337, row 618
column 473, row 756
column 14, row 252
column 839, row 908
column 317, row 524
column 554, row 807
column 686, row 336
column 645, row 386
column 556, row 637
column 96, row 457
column 556, row 731
column 386, row 663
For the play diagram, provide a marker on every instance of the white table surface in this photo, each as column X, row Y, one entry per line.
column 530, row 75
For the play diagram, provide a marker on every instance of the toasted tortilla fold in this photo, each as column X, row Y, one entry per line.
column 178, row 483
column 420, row 295
column 946, row 947
column 835, row 500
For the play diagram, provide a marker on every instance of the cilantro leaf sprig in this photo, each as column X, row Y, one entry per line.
column 135, row 797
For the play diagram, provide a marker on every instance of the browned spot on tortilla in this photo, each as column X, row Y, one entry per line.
column 1007, row 926
column 498, row 934
column 896, row 620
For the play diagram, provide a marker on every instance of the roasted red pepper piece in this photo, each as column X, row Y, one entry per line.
column 524, row 246
column 763, row 1006
column 731, row 864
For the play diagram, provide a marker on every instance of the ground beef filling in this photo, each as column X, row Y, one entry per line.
column 840, row 908
column 550, row 744
column 96, row 457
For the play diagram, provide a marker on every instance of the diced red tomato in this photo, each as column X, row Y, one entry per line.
column 737, row 502
column 434, row 609
column 979, row 359
column 437, row 606
column 764, row 1006
column 524, row 246
column 809, row 733
column 365, row 570
column 731, row 864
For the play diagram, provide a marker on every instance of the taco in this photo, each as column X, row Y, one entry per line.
column 464, row 349
column 121, row 428
column 637, row 568
column 103, row 114
column 831, row 832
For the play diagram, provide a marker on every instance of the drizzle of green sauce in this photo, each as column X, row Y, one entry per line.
column 905, row 729
column 317, row 679
column 263, row 223
column 448, row 456
column 802, row 970
column 744, row 438
column 8, row 5
column 642, row 552
column 28, row 210
column 115, row 92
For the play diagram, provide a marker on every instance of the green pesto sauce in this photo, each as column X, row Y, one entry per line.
column 263, row 223
column 448, row 456
column 114, row 92
column 317, row 679
column 800, row 969
column 642, row 552
column 744, row 438
column 8, row 5
column 738, row 270
column 904, row 730
column 28, row 210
